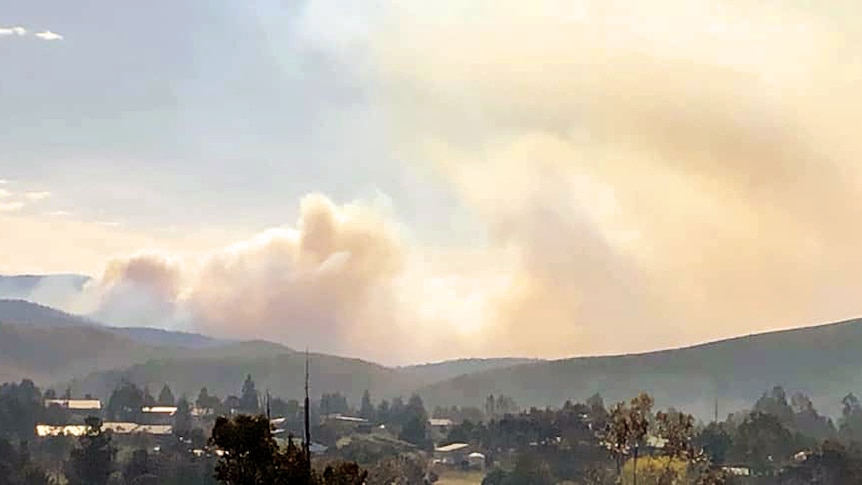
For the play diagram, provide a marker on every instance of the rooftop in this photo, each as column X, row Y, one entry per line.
column 452, row 447
column 75, row 403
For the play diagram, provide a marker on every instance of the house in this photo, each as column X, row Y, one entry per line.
column 347, row 424
column 135, row 428
column 75, row 404
column 44, row 430
column 476, row 460
column 162, row 415
column 438, row 428
column 453, row 454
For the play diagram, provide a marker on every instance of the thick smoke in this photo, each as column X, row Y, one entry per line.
column 669, row 172
column 316, row 284
column 649, row 175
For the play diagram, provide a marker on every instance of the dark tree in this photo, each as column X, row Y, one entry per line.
column 206, row 401
column 415, row 427
column 249, row 451
column 249, row 400
column 166, row 397
column 149, row 400
column 366, row 408
column 16, row 467
column 139, row 465
column 21, row 407
column 93, row 461
column 183, row 418
column 126, row 402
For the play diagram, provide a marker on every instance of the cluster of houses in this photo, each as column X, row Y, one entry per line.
column 158, row 419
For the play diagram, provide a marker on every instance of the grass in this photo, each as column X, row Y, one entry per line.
column 456, row 477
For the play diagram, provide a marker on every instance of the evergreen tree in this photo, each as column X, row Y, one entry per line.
column 92, row 462
column 249, row 402
column 366, row 408
column 166, row 397
column 183, row 418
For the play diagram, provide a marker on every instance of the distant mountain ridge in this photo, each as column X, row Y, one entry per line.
column 824, row 361
column 34, row 315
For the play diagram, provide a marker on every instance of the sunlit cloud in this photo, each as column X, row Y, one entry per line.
column 4, row 193
column 36, row 196
column 58, row 213
column 16, row 31
column 48, row 35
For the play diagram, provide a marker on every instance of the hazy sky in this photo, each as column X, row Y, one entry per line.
column 506, row 178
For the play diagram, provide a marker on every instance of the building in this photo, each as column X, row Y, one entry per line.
column 476, row 460
column 44, row 430
column 120, row 428
column 453, row 454
column 438, row 428
column 161, row 415
column 75, row 404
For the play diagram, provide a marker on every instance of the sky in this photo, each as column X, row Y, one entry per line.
column 543, row 179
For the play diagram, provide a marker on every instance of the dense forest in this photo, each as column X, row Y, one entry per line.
column 253, row 437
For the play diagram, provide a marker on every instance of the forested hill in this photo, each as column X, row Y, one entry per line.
column 823, row 361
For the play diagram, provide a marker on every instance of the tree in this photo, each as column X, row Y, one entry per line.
column 139, row 465
column 490, row 407
column 149, row 400
column 206, row 401
column 715, row 441
column 415, row 427
column 21, row 407
column 249, row 402
column 166, row 397
column 251, row 456
column 249, row 451
column 626, row 429
column 383, row 412
column 851, row 419
column 183, row 418
column 126, row 402
column 92, row 462
column 16, row 467
column 762, row 442
column 366, row 408
column 344, row 473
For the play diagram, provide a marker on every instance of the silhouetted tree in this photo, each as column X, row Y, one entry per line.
column 166, row 397
column 249, row 400
column 92, row 462
column 183, row 418
column 366, row 408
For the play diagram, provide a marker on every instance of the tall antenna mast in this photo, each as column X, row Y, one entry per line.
column 268, row 411
column 307, row 418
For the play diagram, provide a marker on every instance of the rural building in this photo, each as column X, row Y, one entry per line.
column 453, row 454
column 75, row 404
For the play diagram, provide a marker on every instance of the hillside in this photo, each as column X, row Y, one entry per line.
column 34, row 315
column 440, row 371
column 21, row 312
column 223, row 370
column 47, row 355
column 823, row 361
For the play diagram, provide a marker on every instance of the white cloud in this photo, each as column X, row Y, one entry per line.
column 11, row 207
column 48, row 35
column 3, row 181
column 17, row 31
column 59, row 213
column 4, row 193
column 38, row 195
column 109, row 223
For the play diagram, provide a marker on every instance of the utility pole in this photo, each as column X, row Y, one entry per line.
column 268, row 412
column 307, row 417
